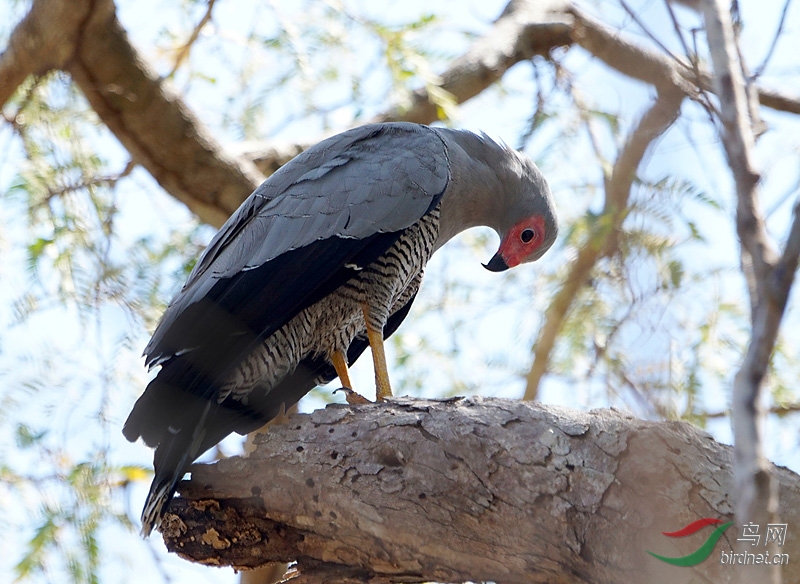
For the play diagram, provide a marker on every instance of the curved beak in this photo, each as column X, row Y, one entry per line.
column 496, row 264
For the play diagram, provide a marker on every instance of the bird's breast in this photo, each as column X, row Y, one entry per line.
column 331, row 324
column 384, row 286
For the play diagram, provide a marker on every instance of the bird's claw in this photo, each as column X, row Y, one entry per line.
column 352, row 397
column 282, row 417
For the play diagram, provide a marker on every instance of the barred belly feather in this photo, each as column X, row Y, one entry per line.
column 322, row 261
column 331, row 324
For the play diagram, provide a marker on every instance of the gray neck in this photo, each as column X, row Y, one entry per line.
column 479, row 185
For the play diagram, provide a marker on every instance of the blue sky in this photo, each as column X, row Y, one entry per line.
column 97, row 346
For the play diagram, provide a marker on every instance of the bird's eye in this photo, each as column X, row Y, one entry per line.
column 527, row 235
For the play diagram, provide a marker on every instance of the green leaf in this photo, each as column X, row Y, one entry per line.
column 26, row 437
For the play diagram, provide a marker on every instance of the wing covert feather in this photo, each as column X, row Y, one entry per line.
column 379, row 178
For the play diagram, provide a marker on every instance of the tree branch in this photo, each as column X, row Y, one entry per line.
column 779, row 101
column 524, row 29
column 45, row 39
column 603, row 236
column 786, row 268
column 186, row 48
column 85, row 38
column 156, row 126
column 769, row 283
column 527, row 28
column 464, row 489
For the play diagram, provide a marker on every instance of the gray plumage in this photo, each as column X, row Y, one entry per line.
column 346, row 186
column 333, row 242
column 386, row 284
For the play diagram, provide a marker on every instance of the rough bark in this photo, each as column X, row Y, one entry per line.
column 467, row 489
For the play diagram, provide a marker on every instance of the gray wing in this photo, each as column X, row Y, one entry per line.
column 378, row 178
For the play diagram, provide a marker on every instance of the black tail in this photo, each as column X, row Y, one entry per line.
column 175, row 423
column 181, row 423
column 171, row 461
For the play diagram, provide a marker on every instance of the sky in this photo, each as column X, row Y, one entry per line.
column 500, row 112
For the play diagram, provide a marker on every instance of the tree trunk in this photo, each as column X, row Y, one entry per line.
column 468, row 489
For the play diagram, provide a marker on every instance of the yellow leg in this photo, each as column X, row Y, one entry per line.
column 281, row 418
column 340, row 364
column 383, row 388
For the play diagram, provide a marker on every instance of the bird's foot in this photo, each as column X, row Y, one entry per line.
column 282, row 417
column 352, row 397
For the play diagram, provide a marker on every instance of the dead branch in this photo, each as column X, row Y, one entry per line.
column 603, row 237
column 465, row 489
column 769, row 275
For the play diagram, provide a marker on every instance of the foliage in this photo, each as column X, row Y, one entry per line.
column 94, row 251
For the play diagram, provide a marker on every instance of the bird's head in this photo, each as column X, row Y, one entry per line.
column 526, row 222
column 499, row 187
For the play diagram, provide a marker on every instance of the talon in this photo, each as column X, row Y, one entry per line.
column 352, row 397
column 282, row 417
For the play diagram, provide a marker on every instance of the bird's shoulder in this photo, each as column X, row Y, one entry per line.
column 336, row 201
column 373, row 179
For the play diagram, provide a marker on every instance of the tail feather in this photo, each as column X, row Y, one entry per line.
column 175, row 452
column 181, row 426
column 157, row 499
column 179, row 416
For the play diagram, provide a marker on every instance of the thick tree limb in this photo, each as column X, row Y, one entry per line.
column 45, row 39
column 154, row 124
column 85, row 38
column 603, row 237
column 479, row 489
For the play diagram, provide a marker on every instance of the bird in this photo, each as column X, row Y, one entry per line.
column 322, row 260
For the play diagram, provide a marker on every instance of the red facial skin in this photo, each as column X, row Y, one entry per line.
column 513, row 249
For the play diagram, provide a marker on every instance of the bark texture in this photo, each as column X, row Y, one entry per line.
column 467, row 489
